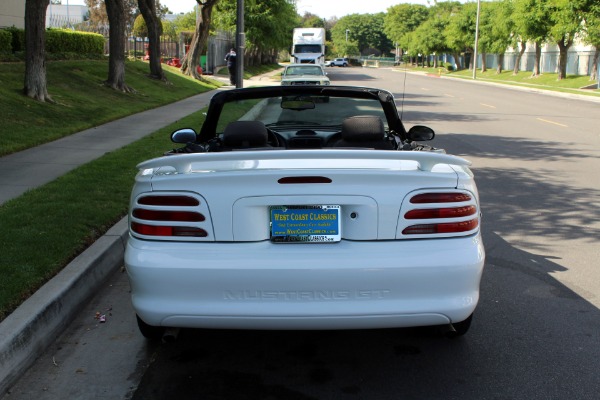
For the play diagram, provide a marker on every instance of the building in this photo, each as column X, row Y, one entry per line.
column 12, row 13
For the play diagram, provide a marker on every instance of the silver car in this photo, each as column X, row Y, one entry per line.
column 304, row 74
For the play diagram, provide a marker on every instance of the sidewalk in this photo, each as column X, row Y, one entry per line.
column 32, row 327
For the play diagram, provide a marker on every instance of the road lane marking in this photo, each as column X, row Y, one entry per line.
column 487, row 105
column 448, row 95
column 425, row 89
column 552, row 122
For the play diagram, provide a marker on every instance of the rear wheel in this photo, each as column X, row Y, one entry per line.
column 149, row 331
column 460, row 328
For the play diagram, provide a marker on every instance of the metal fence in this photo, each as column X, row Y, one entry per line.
column 217, row 47
column 578, row 62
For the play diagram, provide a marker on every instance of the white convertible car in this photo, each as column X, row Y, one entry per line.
column 304, row 207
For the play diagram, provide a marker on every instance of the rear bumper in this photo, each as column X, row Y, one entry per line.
column 346, row 285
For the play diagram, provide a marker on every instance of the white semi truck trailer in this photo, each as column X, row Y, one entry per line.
column 308, row 46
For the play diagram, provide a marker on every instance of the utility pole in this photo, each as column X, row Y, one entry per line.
column 476, row 41
column 240, row 44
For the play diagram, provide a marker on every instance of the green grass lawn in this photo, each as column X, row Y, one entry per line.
column 44, row 229
column 82, row 101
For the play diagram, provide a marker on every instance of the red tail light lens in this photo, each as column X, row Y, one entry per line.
column 452, row 227
column 178, row 201
column 182, row 231
column 452, row 215
column 159, row 215
column 166, row 215
column 440, row 198
column 432, row 213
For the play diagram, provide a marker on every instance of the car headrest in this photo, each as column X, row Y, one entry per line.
column 362, row 128
column 245, row 134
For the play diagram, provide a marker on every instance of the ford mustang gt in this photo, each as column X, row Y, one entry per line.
column 304, row 207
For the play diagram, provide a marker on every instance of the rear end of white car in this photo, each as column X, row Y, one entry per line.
column 324, row 239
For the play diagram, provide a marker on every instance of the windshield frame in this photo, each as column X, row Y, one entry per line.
column 217, row 105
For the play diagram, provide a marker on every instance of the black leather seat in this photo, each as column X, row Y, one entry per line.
column 364, row 131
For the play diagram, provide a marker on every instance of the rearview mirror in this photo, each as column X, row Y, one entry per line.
column 185, row 135
column 297, row 103
column 420, row 132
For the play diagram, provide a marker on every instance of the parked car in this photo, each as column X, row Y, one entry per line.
column 286, row 211
column 304, row 74
column 339, row 62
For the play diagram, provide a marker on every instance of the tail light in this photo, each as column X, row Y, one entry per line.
column 169, row 217
column 439, row 214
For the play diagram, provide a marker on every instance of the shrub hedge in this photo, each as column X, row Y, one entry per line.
column 5, row 42
column 58, row 41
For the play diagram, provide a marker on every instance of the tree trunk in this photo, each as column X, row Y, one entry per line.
column 519, row 56
column 35, row 50
column 483, row 62
column 115, row 10
column 594, row 72
column 148, row 11
column 500, row 62
column 457, row 61
column 538, row 58
column 563, row 45
column 191, row 61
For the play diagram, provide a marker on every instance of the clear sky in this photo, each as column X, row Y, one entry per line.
column 322, row 8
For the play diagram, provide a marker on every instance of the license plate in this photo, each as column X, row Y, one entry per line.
column 301, row 224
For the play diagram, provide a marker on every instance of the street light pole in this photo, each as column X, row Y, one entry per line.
column 347, row 30
column 476, row 41
column 240, row 44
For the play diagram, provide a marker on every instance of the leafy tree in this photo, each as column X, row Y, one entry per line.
column 268, row 25
column 139, row 27
column 366, row 30
column 403, row 19
column 98, row 18
column 428, row 39
column 154, row 31
column 185, row 22
column 532, row 23
column 566, row 18
column 499, row 28
column 592, row 36
column 312, row 21
column 460, row 32
column 442, row 14
column 191, row 61
column 35, row 55
column 169, row 30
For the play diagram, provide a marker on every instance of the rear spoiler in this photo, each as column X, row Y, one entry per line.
column 184, row 163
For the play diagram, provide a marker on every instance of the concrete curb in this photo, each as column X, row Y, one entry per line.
column 32, row 327
column 28, row 331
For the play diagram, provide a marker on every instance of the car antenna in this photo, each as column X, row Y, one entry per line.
column 403, row 94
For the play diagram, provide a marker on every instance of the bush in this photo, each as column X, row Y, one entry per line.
column 67, row 41
column 60, row 44
column 17, row 38
column 5, row 41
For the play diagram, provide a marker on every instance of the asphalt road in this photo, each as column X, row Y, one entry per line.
column 536, row 332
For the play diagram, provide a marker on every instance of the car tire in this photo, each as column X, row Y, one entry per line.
column 460, row 328
column 149, row 331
